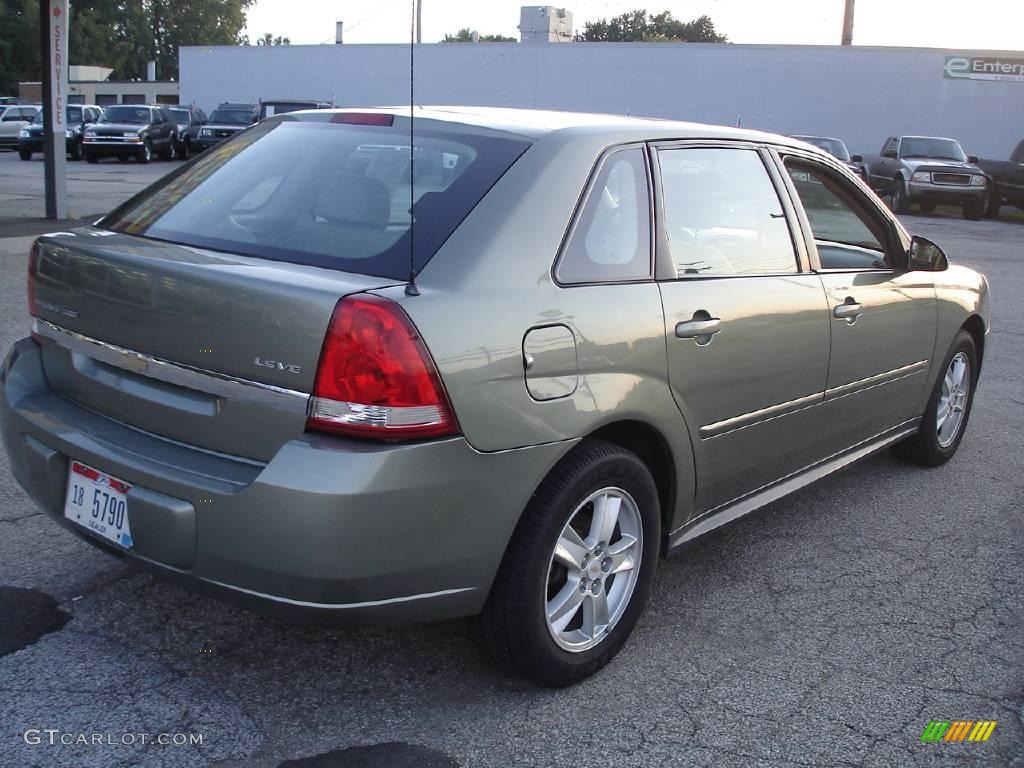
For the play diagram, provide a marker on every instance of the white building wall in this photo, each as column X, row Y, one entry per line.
column 859, row 94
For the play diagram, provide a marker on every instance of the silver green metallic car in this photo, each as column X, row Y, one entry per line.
column 497, row 375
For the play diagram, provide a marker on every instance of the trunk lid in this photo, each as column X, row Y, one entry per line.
column 227, row 346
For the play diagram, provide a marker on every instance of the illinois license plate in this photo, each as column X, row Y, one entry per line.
column 98, row 502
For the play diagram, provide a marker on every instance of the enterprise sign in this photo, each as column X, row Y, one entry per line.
column 984, row 68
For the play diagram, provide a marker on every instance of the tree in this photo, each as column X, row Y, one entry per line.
column 641, row 27
column 19, row 44
column 268, row 39
column 465, row 35
column 126, row 34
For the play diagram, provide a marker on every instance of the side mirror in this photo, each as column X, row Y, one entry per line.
column 926, row 256
column 890, row 153
column 972, row 159
column 857, row 159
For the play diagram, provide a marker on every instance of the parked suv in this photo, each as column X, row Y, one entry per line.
column 131, row 130
column 613, row 336
column 78, row 118
column 928, row 170
column 188, row 120
column 13, row 118
column 225, row 121
column 1006, row 180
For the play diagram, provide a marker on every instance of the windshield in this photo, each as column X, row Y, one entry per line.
column 231, row 117
column 179, row 115
column 327, row 194
column 935, row 149
column 125, row 114
column 74, row 116
column 834, row 147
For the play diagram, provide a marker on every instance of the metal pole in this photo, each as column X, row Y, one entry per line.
column 53, row 27
column 419, row 21
column 848, row 23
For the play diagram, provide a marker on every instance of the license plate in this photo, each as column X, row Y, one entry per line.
column 99, row 502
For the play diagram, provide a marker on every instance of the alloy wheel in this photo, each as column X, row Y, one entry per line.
column 956, row 385
column 593, row 569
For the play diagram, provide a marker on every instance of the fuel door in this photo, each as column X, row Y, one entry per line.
column 549, row 362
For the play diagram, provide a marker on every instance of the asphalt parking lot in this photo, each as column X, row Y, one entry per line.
column 826, row 630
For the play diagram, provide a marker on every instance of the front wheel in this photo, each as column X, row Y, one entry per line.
column 949, row 408
column 76, row 150
column 900, row 201
column 185, row 150
column 146, row 153
column 171, row 151
column 577, row 572
column 25, row 154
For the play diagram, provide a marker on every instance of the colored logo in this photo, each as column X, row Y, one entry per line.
column 958, row 730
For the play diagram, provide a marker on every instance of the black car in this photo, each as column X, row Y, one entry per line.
column 188, row 120
column 78, row 117
column 225, row 121
column 131, row 130
column 837, row 148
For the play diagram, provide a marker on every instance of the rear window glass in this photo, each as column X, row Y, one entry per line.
column 326, row 194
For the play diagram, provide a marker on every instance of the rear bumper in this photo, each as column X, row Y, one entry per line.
column 330, row 530
column 945, row 194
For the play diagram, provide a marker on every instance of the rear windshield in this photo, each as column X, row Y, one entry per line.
column 327, row 194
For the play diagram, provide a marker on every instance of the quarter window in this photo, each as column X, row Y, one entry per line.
column 722, row 213
column 845, row 234
column 612, row 237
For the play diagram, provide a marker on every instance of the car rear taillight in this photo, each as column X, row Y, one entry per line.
column 364, row 118
column 376, row 378
column 33, row 270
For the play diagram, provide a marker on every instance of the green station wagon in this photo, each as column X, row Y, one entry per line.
column 490, row 363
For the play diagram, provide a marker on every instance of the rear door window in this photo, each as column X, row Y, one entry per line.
column 312, row 191
column 723, row 215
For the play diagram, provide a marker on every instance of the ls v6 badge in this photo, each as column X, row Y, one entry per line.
column 277, row 365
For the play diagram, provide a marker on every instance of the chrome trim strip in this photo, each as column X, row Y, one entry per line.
column 217, row 384
column 873, row 381
column 342, row 606
column 763, row 414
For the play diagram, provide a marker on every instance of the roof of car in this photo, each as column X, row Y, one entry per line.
column 537, row 122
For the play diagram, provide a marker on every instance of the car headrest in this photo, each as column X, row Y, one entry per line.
column 352, row 199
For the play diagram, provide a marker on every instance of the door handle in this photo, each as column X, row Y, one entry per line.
column 849, row 310
column 699, row 328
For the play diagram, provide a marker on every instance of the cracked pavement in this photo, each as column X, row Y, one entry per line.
column 825, row 630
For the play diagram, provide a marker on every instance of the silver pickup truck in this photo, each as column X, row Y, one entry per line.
column 928, row 170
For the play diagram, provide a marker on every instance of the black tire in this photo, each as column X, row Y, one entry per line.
column 146, row 153
column 923, row 447
column 973, row 209
column 76, row 150
column 900, row 201
column 993, row 203
column 25, row 154
column 185, row 150
column 171, row 152
column 513, row 627
column 91, row 158
column 928, row 207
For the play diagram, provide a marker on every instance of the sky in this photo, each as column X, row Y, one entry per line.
column 974, row 24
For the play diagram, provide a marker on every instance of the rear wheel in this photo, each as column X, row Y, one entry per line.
column 949, row 408
column 577, row 572
column 25, row 154
column 973, row 209
column 900, row 201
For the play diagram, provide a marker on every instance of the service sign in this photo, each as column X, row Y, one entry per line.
column 58, row 64
column 984, row 68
